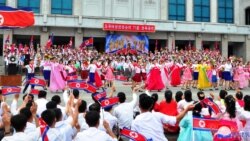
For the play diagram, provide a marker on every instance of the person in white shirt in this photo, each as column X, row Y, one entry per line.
column 92, row 69
column 93, row 134
column 41, row 102
column 150, row 124
column 124, row 111
column 30, row 113
column 181, row 105
column 81, row 117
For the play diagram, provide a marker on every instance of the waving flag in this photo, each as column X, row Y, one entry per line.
column 205, row 124
column 43, row 129
column 82, row 86
column 11, row 90
column 37, row 82
column 34, row 92
column 88, row 42
column 135, row 136
column 100, row 96
column 50, row 41
column 71, row 78
column 70, row 42
column 212, row 105
column 7, row 41
column 16, row 18
column 109, row 102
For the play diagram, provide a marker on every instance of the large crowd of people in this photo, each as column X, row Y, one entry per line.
column 75, row 119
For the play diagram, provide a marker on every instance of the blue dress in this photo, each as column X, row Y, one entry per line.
column 188, row 134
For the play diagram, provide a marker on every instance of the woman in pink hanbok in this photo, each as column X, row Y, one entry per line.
column 243, row 81
column 57, row 77
column 109, row 75
column 187, row 76
column 164, row 73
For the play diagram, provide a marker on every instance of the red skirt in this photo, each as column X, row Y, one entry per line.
column 137, row 77
column 144, row 76
column 154, row 81
column 84, row 74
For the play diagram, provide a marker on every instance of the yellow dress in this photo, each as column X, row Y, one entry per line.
column 203, row 81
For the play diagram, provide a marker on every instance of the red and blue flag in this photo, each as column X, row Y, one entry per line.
column 100, row 96
column 135, row 136
column 10, row 90
column 109, row 102
column 37, row 82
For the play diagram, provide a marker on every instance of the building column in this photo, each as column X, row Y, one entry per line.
column 224, row 46
column 198, row 40
column 247, row 48
column 44, row 38
column 78, row 37
column 189, row 10
column 213, row 11
column 164, row 9
column 171, row 41
column 237, row 12
column 77, row 7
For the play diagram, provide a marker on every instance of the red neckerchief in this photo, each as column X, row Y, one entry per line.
column 32, row 67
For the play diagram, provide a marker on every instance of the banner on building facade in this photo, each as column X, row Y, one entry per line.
column 127, row 44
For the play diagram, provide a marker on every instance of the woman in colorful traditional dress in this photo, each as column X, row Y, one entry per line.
column 187, row 76
column 242, row 77
column 203, row 81
column 84, row 72
column 109, row 76
column 236, row 76
column 137, row 78
column 175, row 74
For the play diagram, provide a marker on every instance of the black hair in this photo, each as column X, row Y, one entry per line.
column 29, row 104
column 197, row 109
column 51, row 105
column 247, row 103
column 82, row 108
column 93, row 98
column 19, row 122
column 42, row 94
column 178, row 96
column 122, row 97
column 155, row 97
column 26, row 111
column 199, row 93
column 95, row 107
column 145, row 102
column 31, row 95
column 188, row 95
column 49, row 117
column 56, row 99
column 230, row 106
column 58, row 114
column 92, row 118
column 76, row 93
column 168, row 96
column 239, row 95
column 223, row 94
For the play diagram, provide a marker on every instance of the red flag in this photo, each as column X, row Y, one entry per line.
column 43, row 129
column 100, row 96
column 50, row 41
column 121, row 78
column 135, row 136
column 34, row 92
column 11, row 90
column 98, row 80
column 109, row 102
column 70, row 42
column 37, row 82
column 205, row 124
column 16, row 18
column 88, row 42
column 212, row 105
column 72, row 78
column 82, row 86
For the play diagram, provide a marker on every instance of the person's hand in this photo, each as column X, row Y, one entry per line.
column 33, row 108
column 190, row 107
column 16, row 96
column 6, row 119
column 211, row 94
column 79, row 102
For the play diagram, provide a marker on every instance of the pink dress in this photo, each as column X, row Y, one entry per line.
column 57, row 77
column 187, row 74
column 109, row 76
column 243, row 81
column 236, row 75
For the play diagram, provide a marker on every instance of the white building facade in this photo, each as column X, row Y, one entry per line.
column 201, row 22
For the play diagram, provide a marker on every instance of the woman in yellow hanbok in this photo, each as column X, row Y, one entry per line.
column 203, row 81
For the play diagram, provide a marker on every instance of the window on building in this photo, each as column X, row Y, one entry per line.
column 63, row 7
column 33, row 4
column 177, row 10
column 2, row 2
column 248, row 16
column 225, row 11
column 202, row 10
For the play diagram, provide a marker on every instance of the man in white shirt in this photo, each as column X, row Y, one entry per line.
column 41, row 102
column 150, row 124
column 124, row 112
column 93, row 134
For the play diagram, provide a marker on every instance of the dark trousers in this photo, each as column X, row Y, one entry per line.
column 12, row 69
column 29, row 76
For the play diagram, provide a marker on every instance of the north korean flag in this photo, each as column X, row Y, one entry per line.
column 109, row 102
column 88, row 42
column 34, row 92
column 11, row 90
column 212, row 105
column 50, row 41
column 43, row 129
column 121, row 78
column 205, row 124
column 71, row 78
column 100, row 96
column 135, row 136
column 37, row 82
column 16, row 18
column 82, row 86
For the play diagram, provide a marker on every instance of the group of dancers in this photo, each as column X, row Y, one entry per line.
column 202, row 69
